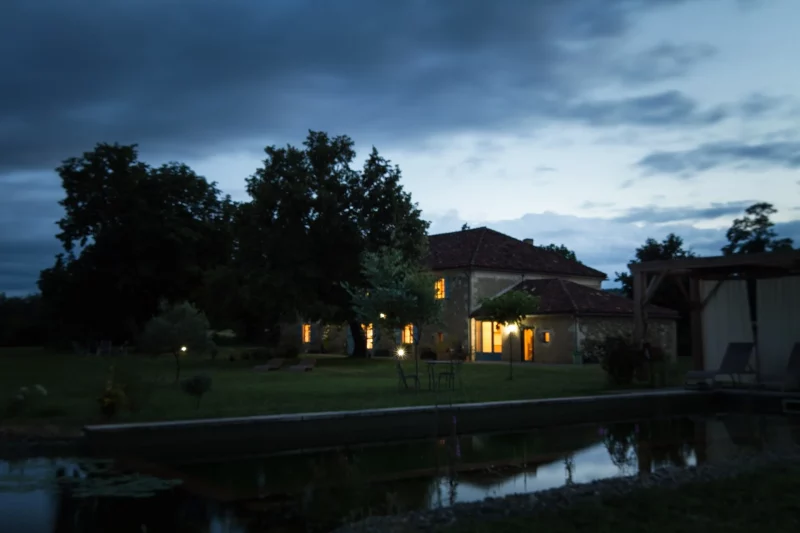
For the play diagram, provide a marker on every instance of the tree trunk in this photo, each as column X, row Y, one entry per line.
column 510, row 358
column 177, row 356
column 359, row 340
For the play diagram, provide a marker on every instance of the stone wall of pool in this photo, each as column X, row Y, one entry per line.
column 204, row 438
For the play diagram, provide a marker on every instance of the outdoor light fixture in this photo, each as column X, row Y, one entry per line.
column 401, row 352
column 511, row 328
column 183, row 348
column 383, row 315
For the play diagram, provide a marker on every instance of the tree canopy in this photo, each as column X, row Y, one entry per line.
column 561, row 250
column 671, row 247
column 754, row 233
column 312, row 216
column 132, row 235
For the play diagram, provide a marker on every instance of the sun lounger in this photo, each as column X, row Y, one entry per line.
column 735, row 363
column 790, row 380
column 273, row 364
column 305, row 365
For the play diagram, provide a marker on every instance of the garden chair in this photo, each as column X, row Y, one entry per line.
column 273, row 364
column 735, row 363
column 403, row 378
column 790, row 380
column 305, row 365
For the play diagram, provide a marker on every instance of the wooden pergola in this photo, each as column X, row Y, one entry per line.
column 648, row 276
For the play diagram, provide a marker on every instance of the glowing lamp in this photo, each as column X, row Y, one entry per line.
column 401, row 352
column 183, row 348
column 511, row 328
column 383, row 315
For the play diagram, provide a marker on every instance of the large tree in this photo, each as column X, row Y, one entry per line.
column 311, row 217
column 668, row 294
column 671, row 247
column 754, row 233
column 132, row 235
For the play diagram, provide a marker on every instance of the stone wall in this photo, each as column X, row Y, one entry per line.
column 660, row 332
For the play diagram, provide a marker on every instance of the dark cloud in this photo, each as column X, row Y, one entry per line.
column 668, row 108
column 664, row 61
column 688, row 163
column 188, row 80
column 28, row 212
column 653, row 214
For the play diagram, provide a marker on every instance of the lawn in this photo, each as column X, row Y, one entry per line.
column 74, row 383
column 757, row 501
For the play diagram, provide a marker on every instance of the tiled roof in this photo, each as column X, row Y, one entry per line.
column 562, row 297
column 488, row 249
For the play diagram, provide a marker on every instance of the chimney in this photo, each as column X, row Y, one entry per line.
column 528, row 241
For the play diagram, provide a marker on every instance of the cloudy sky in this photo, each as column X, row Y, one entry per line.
column 592, row 123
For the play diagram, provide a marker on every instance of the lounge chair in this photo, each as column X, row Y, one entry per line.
column 790, row 380
column 735, row 363
column 404, row 378
column 305, row 365
column 273, row 364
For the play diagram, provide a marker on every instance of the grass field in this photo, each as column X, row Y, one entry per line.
column 74, row 383
column 759, row 501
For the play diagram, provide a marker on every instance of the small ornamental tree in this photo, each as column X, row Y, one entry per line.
column 397, row 294
column 510, row 308
column 176, row 329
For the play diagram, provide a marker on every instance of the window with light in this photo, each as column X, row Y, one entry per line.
column 438, row 289
column 407, row 335
column 488, row 336
column 306, row 333
column 369, row 334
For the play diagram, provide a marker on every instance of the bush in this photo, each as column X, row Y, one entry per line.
column 25, row 400
column 621, row 360
column 289, row 351
column 382, row 352
column 197, row 386
column 261, row 354
column 113, row 398
column 176, row 329
column 426, row 352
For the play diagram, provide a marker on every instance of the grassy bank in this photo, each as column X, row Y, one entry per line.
column 761, row 501
column 74, row 383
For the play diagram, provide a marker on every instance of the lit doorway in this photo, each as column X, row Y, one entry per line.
column 527, row 338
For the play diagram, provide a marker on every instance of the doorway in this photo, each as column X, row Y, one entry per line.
column 527, row 341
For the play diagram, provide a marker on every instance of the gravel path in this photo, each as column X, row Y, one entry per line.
column 561, row 497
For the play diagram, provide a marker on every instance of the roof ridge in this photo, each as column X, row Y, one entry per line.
column 569, row 295
column 477, row 246
column 457, row 231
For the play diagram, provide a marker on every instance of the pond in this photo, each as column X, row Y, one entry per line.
column 317, row 491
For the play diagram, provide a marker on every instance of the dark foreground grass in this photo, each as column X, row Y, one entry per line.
column 75, row 382
column 762, row 501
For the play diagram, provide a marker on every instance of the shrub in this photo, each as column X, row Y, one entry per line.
column 176, row 329
column 262, row 354
column 426, row 352
column 25, row 400
column 290, row 351
column 382, row 352
column 113, row 397
column 621, row 360
column 197, row 386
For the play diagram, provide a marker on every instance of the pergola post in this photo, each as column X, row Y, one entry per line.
column 638, row 307
column 696, row 322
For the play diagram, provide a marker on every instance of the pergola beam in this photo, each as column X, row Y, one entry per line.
column 781, row 260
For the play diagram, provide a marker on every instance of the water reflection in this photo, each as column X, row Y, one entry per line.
column 314, row 492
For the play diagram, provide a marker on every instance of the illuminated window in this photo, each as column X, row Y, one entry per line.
column 488, row 337
column 440, row 337
column 438, row 289
column 407, row 336
column 546, row 336
column 368, row 330
column 306, row 333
